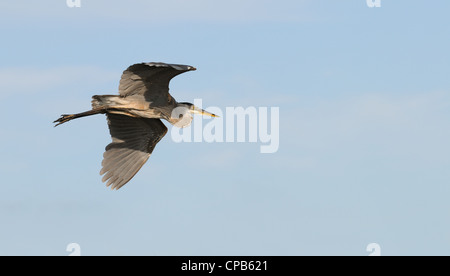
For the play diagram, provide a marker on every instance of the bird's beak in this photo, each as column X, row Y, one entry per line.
column 196, row 110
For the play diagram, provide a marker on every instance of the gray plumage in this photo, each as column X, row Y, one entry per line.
column 134, row 118
column 133, row 140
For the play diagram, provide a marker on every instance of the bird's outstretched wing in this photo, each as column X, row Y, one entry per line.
column 150, row 79
column 133, row 140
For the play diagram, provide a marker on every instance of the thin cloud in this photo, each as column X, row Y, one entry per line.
column 26, row 80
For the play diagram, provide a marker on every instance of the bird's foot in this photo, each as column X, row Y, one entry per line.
column 64, row 118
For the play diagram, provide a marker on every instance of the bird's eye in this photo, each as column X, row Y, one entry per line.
column 180, row 116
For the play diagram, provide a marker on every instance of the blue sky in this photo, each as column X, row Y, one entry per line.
column 364, row 100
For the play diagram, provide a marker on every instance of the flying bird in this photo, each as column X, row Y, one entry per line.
column 134, row 118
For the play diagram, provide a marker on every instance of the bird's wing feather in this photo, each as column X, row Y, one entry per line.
column 150, row 79
column 133, row 140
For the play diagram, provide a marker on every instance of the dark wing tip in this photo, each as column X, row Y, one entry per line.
column 179, row 67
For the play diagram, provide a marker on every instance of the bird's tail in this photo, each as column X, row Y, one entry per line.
column 67, row 117
column 103, row 101
column 100, row 104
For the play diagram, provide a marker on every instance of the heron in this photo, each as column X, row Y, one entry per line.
column 134, row 118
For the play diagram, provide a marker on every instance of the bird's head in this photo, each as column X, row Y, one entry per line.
column 182, row 115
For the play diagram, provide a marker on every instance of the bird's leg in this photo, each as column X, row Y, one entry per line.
column 67, row 117
column 64, row 118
